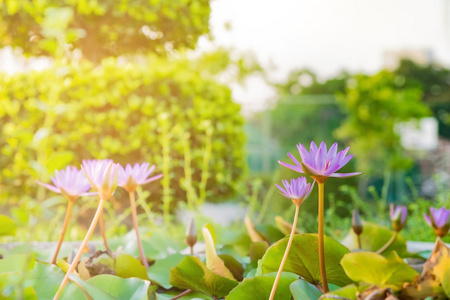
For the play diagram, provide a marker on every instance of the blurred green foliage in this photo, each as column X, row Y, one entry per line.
column 359, row 110
column 103, row 28
column 71, row 112
column 306, row 110
column 434, row 81
column 374, row 106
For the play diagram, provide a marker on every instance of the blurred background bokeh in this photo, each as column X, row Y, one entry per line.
column 214, row 93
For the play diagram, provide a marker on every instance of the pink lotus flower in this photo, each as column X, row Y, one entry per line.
column 297, row 190
column 398, row 216
column 131, row 177
column 439, row 220
column 70, row 182
column 320, row 163
column 103, row 175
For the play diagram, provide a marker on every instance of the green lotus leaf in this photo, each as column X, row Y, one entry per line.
column 369, row 267
column 259, row 288
column 303, row 290
column 373, row 238
column 7, row 226
column 303, row 259
column 108, row 287
column 193, row 274
column 159, row 272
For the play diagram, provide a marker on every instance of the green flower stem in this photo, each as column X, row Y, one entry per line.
column 359, row 241
column 136, row 228
column 101, row 224
column 74, row 263
column 283, row 261
column 181, row 295
column 323, row 272
column 391, row 240
column 63, row 231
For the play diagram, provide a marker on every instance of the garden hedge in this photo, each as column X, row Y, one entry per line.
column 159, row 110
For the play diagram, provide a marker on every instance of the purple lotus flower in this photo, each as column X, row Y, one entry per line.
column 131, row 177
column 439, row 220
column 320, row 163
column 297, row 190
column 103, row 175
column 398, row 216
column 70, row 182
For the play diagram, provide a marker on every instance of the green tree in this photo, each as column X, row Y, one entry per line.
column 374, row 106
column 102, row 28
column 306, row 110
column 434, row 81
column 165, row 109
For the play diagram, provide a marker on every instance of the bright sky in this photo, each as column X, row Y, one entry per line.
column 328, row 35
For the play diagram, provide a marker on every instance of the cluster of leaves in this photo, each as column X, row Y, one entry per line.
column 306, row 103
column 374, row 106
column 434, row 82
column 237, row 264
column 367, row 110
column 154, row 112
column 103, row 28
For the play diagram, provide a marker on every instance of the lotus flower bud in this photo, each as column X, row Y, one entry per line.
column 439, row 220
column 357, row 225
column 398, row 217
column 191, row 234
